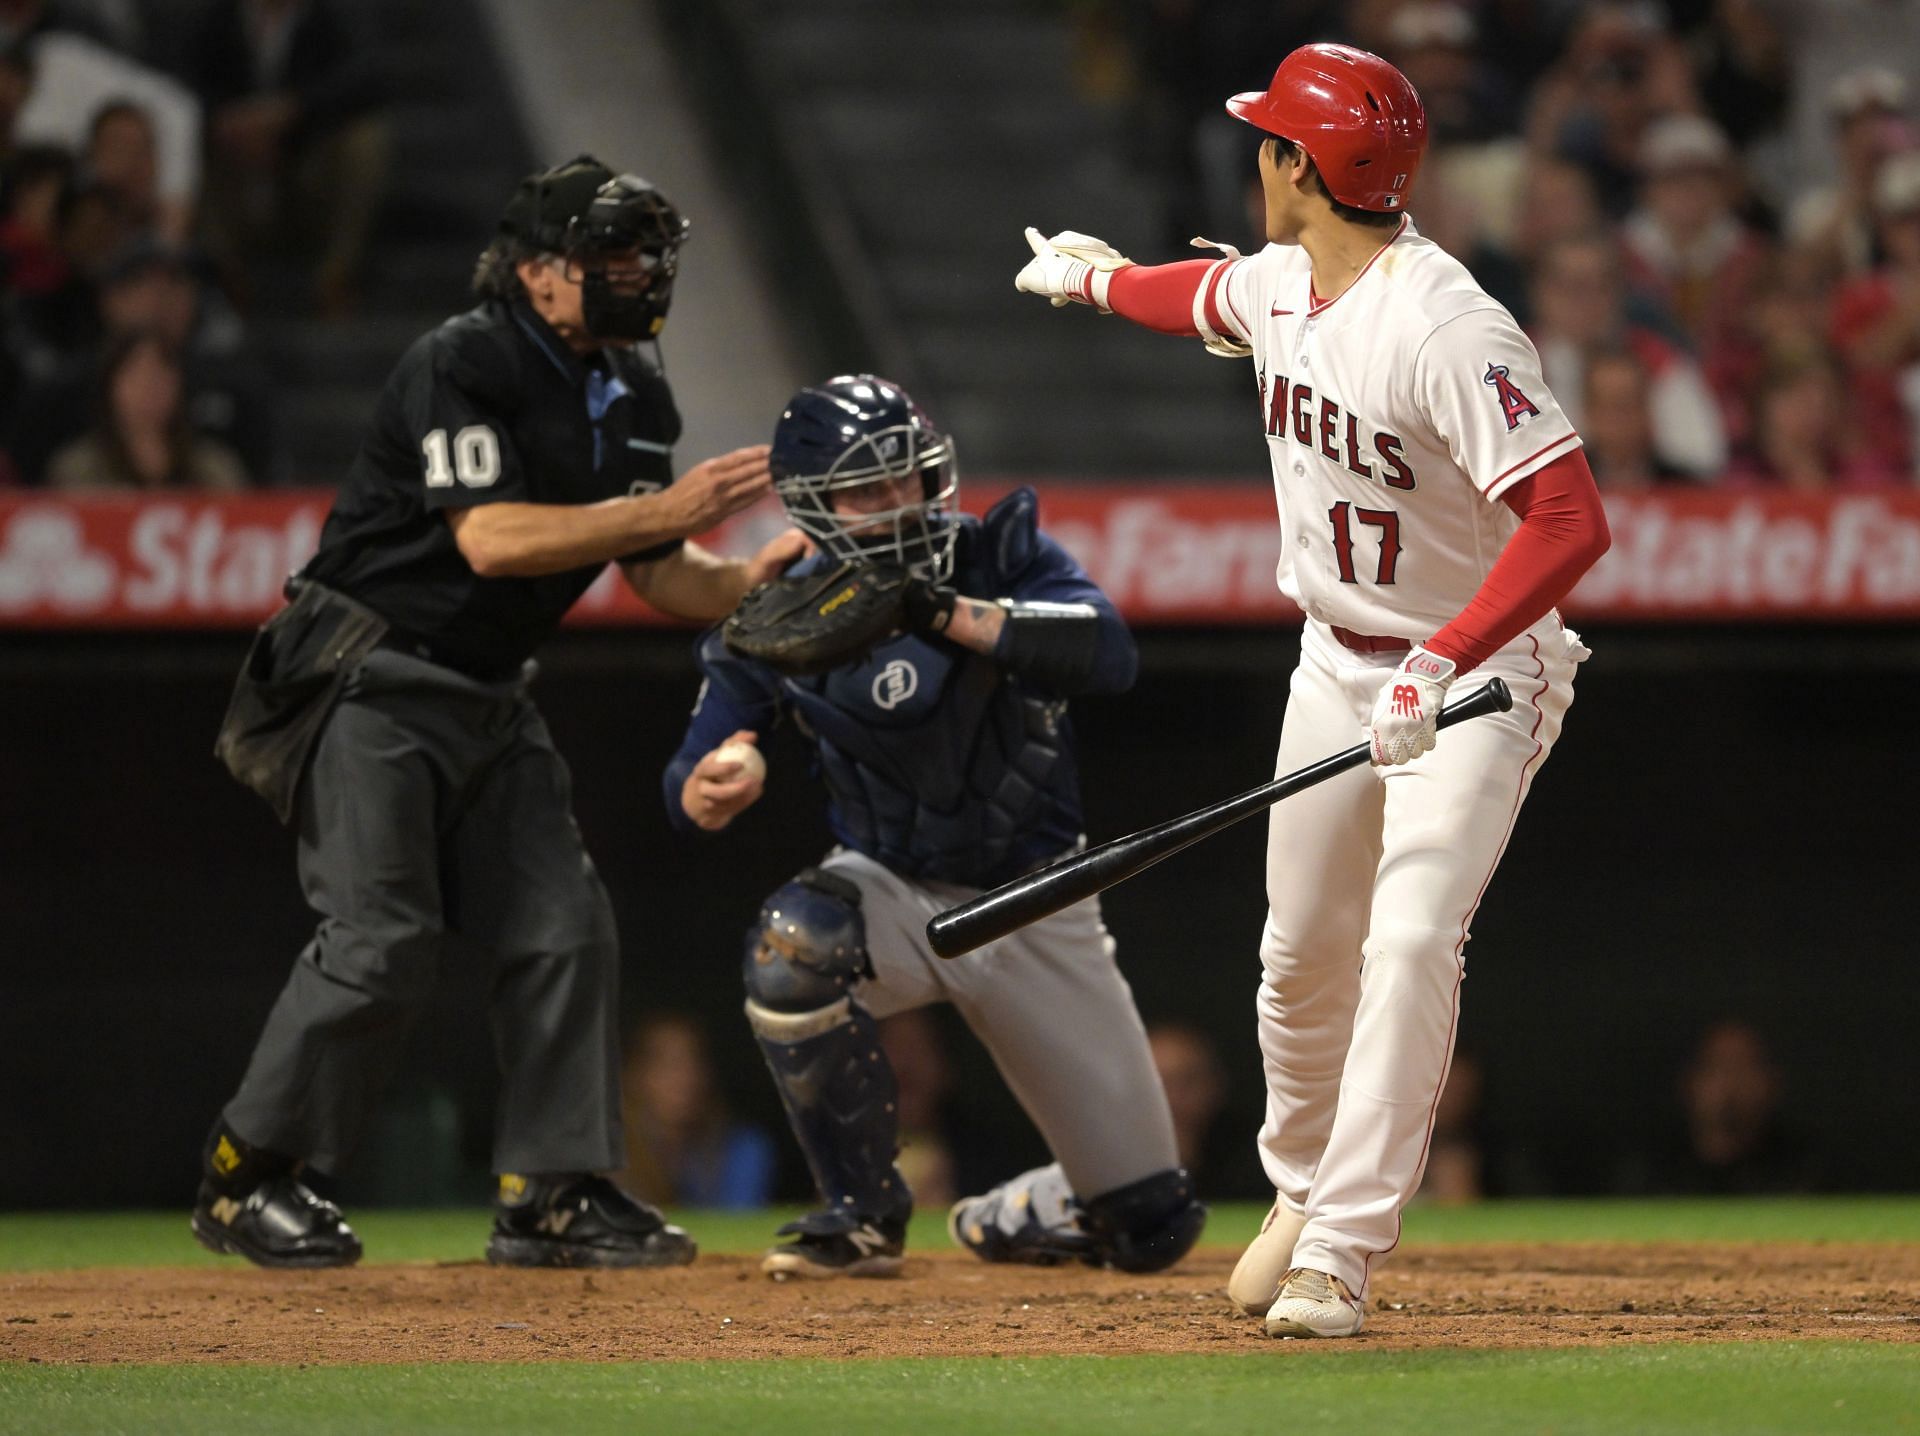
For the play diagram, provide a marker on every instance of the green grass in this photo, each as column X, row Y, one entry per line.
column 1751, row 1389
column 45, row 1240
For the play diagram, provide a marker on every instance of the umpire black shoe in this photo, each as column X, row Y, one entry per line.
column 279, row 1223
column 832, row 1243
column 580, row 1221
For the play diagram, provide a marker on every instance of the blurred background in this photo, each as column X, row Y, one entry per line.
column 222, row 220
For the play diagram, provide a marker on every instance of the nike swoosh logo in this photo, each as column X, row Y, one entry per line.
column 1277, row 312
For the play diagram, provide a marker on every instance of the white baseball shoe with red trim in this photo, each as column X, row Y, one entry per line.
column 1312, row 1303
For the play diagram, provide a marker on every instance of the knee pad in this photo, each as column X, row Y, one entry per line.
column 807, row 948
column 1146, row 1225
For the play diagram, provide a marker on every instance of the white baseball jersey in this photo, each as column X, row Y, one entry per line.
column 1397, row 413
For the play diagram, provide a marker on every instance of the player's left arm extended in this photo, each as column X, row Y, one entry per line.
column 1563, row 532
column 694, row 582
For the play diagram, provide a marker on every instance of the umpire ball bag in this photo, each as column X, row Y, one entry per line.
column 288, row 685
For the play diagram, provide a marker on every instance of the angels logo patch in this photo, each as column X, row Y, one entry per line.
column 1515, row 405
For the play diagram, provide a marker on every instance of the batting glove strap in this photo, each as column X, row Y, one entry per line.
column 1407, row 709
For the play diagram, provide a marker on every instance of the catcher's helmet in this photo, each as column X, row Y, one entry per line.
column 853, row 431
column 585, row 213
column 1358, row 118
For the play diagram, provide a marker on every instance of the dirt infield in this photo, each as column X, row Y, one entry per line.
column 947, row 1304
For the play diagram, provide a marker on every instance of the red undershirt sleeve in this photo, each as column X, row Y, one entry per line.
column 1563, row 532
column 1159, row 296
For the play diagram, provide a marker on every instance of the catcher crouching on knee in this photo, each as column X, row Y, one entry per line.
column 928, row 657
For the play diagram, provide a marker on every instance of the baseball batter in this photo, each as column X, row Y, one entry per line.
column 1434, row 507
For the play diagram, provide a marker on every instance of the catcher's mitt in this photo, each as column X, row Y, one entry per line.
column 819, row 621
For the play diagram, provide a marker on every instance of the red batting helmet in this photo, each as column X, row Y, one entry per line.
column 1359, row 120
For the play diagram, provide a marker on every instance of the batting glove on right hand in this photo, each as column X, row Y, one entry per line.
column 1405, row 713
column 1070, row 268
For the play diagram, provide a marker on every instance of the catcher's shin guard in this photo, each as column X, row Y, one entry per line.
column 1146, row 1225
column 822, row 1047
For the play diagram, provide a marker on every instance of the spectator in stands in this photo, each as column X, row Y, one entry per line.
column 919, row 1058
column 122, row 154
column 1467, row 101
column 1685, row 245
column 1616, row 423
column 1196, row 1086
column 683, row 1149
column 1802, row 438
column 1456, row 1157
column 1732, row 1137
column 1579, row 310
column 154, row 286
column 15, row 80
column 1836, row 219
column 297, row 136
column 1224, row 1164
column 71, row 77
column 1620, row 71
column 52, row 335
column 141, row 440
column 1876, row 319
column 1740, row 62
column 31, row 183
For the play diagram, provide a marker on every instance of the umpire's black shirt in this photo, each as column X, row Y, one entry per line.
column 490, row 406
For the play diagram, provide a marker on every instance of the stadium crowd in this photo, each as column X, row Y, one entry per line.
column 151, row 157
column 1706, row 213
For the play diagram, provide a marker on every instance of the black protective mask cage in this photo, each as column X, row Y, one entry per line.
column 628, row 216
column 919, row 536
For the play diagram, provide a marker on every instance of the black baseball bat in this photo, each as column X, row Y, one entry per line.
column 1077, row 876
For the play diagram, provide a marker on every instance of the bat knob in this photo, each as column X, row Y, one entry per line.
column 1500, row 694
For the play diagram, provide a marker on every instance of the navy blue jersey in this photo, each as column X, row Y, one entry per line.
column 937, row 761
column 490, row 406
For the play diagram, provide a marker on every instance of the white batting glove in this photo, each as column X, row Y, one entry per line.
column 1404, row 715
column 1070, row 268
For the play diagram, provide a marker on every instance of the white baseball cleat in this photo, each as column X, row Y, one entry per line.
column 1314, row 1304
column 1255, row 1283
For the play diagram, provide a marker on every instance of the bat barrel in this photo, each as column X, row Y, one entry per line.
column 1079, row 876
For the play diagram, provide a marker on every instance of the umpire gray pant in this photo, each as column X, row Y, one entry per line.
column 434, row 805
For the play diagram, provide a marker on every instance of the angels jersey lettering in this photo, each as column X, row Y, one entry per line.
column 1396, row 415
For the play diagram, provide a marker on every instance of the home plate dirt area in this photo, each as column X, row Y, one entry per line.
column 946, row 1304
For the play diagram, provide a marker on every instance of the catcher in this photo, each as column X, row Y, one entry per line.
column 929, row 657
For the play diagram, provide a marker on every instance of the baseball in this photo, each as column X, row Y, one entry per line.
column 753, row 763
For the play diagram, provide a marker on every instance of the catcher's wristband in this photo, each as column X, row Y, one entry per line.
column 928, row 607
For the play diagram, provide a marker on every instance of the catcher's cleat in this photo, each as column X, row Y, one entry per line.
column 830, row 1243
column 1255, row 1284
column 279, row 1223
column 1030, row 1220
column 580, row 1221
column 1311, row 1303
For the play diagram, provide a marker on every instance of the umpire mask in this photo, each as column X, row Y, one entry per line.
column 618, row 236
column 624, row 252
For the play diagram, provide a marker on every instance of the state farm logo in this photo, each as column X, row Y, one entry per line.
column 45, row 562
column 152, row 561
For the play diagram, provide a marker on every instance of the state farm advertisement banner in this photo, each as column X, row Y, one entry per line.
column 1173, row 553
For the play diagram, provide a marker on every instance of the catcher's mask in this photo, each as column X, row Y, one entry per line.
column 618, row 236
column 838, row 452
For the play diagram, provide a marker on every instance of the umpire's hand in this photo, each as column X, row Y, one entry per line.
column 719, row 488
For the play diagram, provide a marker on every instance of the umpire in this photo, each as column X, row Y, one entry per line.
column 515, row 451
